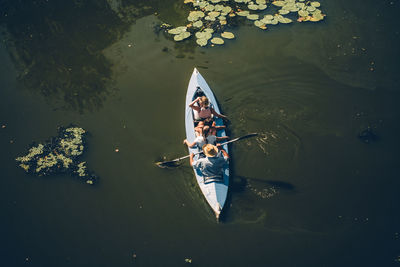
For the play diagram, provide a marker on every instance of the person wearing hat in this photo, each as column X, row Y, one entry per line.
column 211, row 166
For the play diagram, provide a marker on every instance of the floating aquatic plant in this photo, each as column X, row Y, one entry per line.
column 227, row 35
column 59, row 155
column 217, row 40
column 212, row 17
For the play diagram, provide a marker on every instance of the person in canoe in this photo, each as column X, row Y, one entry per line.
column 207, row 122
column 204, row 111
column 212, row 165
column 208, row 136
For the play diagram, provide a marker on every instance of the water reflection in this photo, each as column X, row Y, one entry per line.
column 57, row 46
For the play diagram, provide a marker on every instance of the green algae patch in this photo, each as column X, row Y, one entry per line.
column 61, row 154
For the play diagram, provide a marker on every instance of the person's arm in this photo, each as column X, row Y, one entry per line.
column 199, row 129
column 222, row 138
column 218, row 115
column 191, row 159
column 197, row 108
column 186, row 142
column 223, row 151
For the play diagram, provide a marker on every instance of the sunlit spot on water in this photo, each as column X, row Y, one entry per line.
column 267, row 192
column 265, row 139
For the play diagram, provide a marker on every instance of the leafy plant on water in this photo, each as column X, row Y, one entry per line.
column 61, row 154
column 209, row 19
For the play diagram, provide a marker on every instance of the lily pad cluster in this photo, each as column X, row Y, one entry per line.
column 306, row 10
column 208, row 20
column 59, row 155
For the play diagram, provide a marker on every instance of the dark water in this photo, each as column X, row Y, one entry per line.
column 307, row 192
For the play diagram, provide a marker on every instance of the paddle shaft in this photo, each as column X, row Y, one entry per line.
column 222, row 144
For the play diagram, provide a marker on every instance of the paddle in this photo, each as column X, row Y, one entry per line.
column 172, row 163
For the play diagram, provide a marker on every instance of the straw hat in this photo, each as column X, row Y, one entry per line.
column 210, row 150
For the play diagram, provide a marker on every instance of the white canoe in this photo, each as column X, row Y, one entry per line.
column 214, row 192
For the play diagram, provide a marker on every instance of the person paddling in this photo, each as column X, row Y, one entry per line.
column 212, row 165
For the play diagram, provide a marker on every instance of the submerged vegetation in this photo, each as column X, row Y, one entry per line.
column 209, row 19
column 59, row 155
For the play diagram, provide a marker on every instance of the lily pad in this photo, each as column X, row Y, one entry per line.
column 289, row 6
column 209, row 8
column 279, row 3
column 315, row 4
column 208, row 35
column 284, row 20
column 274, row 21
column 262, row 7
column 181, row 36
column 198, row 24
column 284, row 11
column 226, row 9
column 300, row 5
column 303, row 13
column 217, row 40
column 195, row 15
column 317, row 17
column 266, row 21
column 317, row 11
column 269, row 17
column 243, row 13
column 209, row 18
column 218, row 7
column 227, row 35
column 214, row 14
column 177, row 30
column 252, row 7
column 200, row 35
column 202, row 42
column 252, row 17
column 310, row 8
column 259, row 23
column 203, row 4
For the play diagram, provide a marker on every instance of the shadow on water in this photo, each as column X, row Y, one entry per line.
column 57, row 46
column 245, row 203
column 241, row 182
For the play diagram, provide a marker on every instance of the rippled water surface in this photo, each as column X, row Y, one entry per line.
column 306, row 192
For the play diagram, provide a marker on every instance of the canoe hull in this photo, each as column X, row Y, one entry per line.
column 214, row 192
